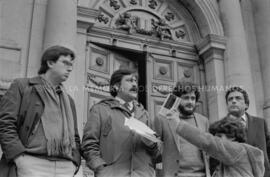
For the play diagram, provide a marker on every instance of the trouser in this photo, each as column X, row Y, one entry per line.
column 31, row 166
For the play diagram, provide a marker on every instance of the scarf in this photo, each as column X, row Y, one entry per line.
column 57, row 121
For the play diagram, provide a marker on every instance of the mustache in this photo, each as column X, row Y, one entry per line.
column 134, row 89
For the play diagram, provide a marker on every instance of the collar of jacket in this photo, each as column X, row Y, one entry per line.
column 35, row 80
column 115, row 104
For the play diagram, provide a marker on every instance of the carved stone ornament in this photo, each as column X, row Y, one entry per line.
column 102, row 18
column 180, row 34
column 152, row 4
column 169, row 16
column 127, row 22
column 114, row 4
column 133, row 2
column 99, row 61
column 187, row 73
column 163, row 70
column 162, row 29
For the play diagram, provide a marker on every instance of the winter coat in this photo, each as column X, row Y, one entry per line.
column 107, row 141
column 21, row 109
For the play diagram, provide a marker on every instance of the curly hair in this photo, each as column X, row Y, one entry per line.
column 184, row 87
column 231, row 127
column 238, row 89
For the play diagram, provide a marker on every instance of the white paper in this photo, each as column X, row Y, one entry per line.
column 140, row 128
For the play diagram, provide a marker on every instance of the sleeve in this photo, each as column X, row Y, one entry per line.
column 226, row 151
column 154, row 149
column 9, row 111
column 91, row 139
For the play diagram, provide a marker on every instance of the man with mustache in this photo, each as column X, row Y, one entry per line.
column 181, row 158
column 38, row 123
column 109, row 147
column 257, row 132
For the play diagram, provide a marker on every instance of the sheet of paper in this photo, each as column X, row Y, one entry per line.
column 140, row 128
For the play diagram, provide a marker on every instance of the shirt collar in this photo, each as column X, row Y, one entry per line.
column 244, row 117
column 121, row 101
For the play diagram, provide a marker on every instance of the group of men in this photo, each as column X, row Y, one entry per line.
column 39, row 135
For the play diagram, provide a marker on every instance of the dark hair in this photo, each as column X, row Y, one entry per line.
column 231, row 127
column 238, row 89
column 52, row 54
column 117, row 77
column 184, row 87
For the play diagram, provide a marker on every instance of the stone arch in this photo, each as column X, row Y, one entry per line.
column 205, row 15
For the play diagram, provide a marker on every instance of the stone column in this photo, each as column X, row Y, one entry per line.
column 61, row 23
column 211, row 50
column 237, row 64
column 262, row 26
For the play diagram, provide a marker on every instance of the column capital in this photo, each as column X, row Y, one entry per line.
column 212, row 47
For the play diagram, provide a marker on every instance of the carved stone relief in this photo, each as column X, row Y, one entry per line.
column 114, row 4
column 153, row 18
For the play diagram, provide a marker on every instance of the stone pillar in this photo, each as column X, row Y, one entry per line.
column 61, row 23
column 211, row 50
column 262, row 26
column 237, row 64
column 1, row 20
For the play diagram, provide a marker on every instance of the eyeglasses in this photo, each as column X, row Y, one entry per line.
column 67, row 63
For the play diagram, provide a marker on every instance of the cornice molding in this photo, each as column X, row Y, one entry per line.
column 86, row 17
column 118, row 38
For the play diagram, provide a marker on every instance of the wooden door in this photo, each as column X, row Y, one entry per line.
column 162, row 74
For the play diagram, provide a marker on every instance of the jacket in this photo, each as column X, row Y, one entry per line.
column 258, row 136
column 237, row 159
column 166, row 129
column 20, row 110
column 107, row 141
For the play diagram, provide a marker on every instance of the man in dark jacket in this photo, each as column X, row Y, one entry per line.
column 257, row 132
column 111, row 148
column 38, row 124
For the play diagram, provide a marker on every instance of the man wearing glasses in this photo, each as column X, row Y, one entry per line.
column 38, row 124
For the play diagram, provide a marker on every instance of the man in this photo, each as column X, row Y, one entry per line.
column 227, row 145
column 111, row 148
column 38, row 124
column 180, row 158
column 257, row 132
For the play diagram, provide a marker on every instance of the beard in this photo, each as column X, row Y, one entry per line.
column 186, row 112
